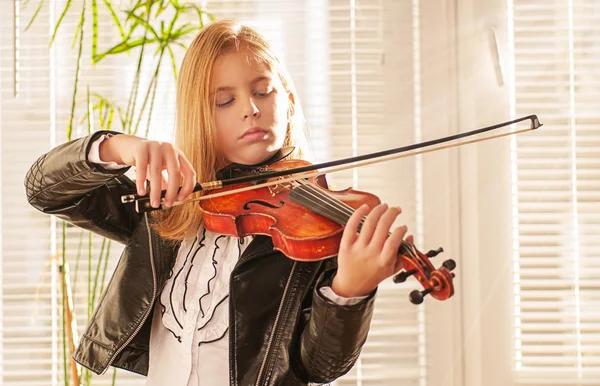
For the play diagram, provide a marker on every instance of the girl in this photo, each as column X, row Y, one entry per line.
column 186, row 306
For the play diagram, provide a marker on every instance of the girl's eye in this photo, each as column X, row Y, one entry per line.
column 263, row 94
column 225, row 104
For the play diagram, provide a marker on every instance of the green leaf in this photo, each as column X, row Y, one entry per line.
column 90, row 112
column 78, row 30
column 100, row 114
column 109, row 121
column 145, row 24
column 59, row 22
column 39, row 8
column 200, row 13
column 94, row 30
column 125, row 46
column 161, row 8
column 184, row 31
column 172, row 24
column 173, row 62
column 175, row 3
column 115, row 18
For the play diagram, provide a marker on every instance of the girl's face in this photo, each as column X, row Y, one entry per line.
column 251, row 108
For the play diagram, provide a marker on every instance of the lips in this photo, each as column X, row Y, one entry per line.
column 254, row 133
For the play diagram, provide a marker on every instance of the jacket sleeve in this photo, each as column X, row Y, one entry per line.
column 334, row 334
column 64, row 183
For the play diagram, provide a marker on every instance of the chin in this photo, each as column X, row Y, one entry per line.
column 257, row 152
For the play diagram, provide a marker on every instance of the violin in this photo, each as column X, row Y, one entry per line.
column 289, row 200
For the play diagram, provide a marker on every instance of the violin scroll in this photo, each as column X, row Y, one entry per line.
column 437, row 282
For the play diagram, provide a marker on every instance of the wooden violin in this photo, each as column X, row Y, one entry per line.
column 289, row 201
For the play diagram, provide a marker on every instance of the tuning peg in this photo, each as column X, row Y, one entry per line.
column 402, row 276
column 416, row 297
column 434, row 252
column 449, row 264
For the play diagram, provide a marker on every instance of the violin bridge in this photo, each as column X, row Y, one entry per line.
column 278, row 188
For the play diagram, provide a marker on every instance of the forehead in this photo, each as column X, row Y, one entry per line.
column 236, row 67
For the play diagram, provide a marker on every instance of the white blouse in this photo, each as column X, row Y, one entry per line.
column 189, row 341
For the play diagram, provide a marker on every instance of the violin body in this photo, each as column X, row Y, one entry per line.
column 298, row 232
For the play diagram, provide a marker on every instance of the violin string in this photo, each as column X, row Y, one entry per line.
column 348, row 210
column 339, row 210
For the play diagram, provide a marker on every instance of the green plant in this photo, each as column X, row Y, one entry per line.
column 142, row 25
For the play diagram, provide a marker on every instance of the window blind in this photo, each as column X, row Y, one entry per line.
column 27, row 327
column 354, row 64
column 555, row 197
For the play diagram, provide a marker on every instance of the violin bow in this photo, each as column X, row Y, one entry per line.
column 142, row 203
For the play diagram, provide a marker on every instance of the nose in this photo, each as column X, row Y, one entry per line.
column 250, row 109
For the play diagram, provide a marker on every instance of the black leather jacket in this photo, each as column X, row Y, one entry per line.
column 282, row 330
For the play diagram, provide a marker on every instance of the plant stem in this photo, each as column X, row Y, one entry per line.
column 105, row 267
column 77, row 72
column 136, row 80
column 152, row 81
column 89, row 297
column 153, row 97
column 97, row 273
column 64, row 304
column 77, row 259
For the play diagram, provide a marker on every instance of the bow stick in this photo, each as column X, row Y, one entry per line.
column 142, row 203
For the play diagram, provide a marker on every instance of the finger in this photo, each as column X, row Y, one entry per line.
column 410, row 239
column 189, row 177
column 141, row 171
column 368, row 227
column 174, row 175
column 156, row 166
column 164, row 181
column 389, row 253
column 351, row 230
column 382, row 231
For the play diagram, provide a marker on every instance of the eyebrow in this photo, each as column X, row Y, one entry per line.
column 227, row 88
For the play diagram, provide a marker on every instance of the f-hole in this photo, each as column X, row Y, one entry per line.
column 263, row 203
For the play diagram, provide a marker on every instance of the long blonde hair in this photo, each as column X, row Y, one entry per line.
column 195, row 132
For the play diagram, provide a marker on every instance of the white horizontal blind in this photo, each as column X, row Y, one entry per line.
column 27, row 339
column 353, row 65
column 557, row 201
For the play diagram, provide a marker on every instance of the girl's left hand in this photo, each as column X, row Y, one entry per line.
column 367, row 258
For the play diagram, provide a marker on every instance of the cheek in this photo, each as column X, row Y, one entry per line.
column 280, row 110
column 223, row 122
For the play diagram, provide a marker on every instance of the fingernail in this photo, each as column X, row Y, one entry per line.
column 168, row 204
column 155, row 203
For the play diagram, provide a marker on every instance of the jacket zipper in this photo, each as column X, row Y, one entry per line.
column 139, row 326
column 272, row 337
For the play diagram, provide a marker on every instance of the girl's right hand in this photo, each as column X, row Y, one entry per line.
column 151, row 158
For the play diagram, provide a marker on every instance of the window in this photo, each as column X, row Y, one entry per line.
column 556, row 173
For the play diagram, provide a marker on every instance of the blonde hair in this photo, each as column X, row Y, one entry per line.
column 195, row 133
